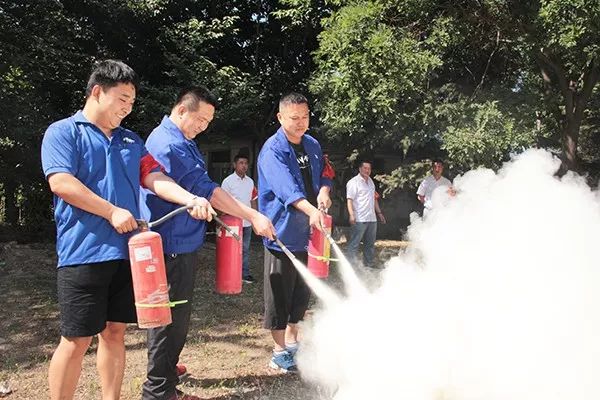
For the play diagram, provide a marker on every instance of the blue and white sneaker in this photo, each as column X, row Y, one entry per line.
column 292, row 348
column 283, row 361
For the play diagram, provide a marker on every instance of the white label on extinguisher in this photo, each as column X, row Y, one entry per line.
column 142, row 253
column 235, row 229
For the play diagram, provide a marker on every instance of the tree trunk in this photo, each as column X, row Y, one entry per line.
column 576, row 93
column 570, row 139
column 11, row 213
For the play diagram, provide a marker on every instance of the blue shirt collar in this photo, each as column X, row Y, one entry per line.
column 283, row 140
column 81, row 119
column 170, row 126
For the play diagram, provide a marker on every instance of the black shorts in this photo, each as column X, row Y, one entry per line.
column 89, row 295
column 286, row 294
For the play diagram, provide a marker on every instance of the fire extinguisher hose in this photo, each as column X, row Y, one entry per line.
column 287, row 251
column 227, row 227
column 147, row 225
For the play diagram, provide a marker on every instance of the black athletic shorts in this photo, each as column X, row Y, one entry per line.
column 89, row 295
column 286, row 294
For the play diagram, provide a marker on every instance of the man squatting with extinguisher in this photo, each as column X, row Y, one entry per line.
column 293, row 186
column 172, row 145
column 95, row 168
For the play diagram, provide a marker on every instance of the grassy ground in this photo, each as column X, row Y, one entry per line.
column 226, row 353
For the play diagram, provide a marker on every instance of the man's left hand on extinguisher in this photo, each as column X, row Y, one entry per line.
column 262, row 225
column 323, row 199
column 200, row 209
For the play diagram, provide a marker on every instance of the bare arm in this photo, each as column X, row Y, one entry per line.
column 71, row 190
column 421, row 198
column 379, row 213
column 316, row 217
column 225, row 202
column 167, row 189
column 323, row 198
column 351, row 216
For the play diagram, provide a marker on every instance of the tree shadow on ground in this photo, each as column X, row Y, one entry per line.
column 253, row 386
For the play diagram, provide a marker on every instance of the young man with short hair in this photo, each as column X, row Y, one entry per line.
column 95, row 168
column 241, row 186
column 432, row 182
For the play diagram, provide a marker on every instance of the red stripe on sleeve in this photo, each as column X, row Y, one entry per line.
column 148, row 164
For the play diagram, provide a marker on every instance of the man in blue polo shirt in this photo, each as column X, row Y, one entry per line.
column 172, row 144
column 293, row 185
column 94, row 168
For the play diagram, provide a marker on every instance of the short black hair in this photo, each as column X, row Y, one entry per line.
column 238, row 156
column 437, row 160
column 109, row 73
column 292, row 98
column 192, row 96
column 361, row 162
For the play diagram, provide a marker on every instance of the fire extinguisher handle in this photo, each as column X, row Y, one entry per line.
column 168, row 216
column 226, row 227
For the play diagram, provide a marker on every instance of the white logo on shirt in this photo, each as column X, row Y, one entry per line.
column 303, row 161
column 128, row 140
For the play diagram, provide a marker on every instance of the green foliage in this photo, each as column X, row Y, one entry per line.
column 371, row 76
column 237, row 48
column 472, row 80
column 404, row 177
column 482, row 135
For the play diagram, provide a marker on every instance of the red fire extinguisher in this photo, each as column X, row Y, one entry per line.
column 150, row 287
column 319, row 249
column 228, row 277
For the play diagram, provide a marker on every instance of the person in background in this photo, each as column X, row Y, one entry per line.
column 364, row 211
column 432, row 182
column 241, row 187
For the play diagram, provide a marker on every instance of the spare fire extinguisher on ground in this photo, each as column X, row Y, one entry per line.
column 319, row 249
column 228, row 277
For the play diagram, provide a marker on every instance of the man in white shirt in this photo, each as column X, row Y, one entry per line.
column 241, row 187
column 432, row 182
column 363, row 209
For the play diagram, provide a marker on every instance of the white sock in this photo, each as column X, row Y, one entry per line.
column 291, row 346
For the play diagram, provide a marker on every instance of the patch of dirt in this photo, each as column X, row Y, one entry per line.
column 227, row 351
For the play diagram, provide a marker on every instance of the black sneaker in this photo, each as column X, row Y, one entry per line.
column 248, row 279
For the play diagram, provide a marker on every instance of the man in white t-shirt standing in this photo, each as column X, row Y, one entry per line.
column 241, row 187
column 363, row 209
column 432, row 182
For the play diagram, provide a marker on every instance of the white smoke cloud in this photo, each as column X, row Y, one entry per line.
column 498, row 298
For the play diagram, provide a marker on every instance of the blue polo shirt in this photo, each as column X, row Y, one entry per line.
column 183, row 162
column 280, row 184
column 108, row 167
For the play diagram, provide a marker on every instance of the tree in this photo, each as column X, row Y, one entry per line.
column 412, row 73
column 239, row 49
